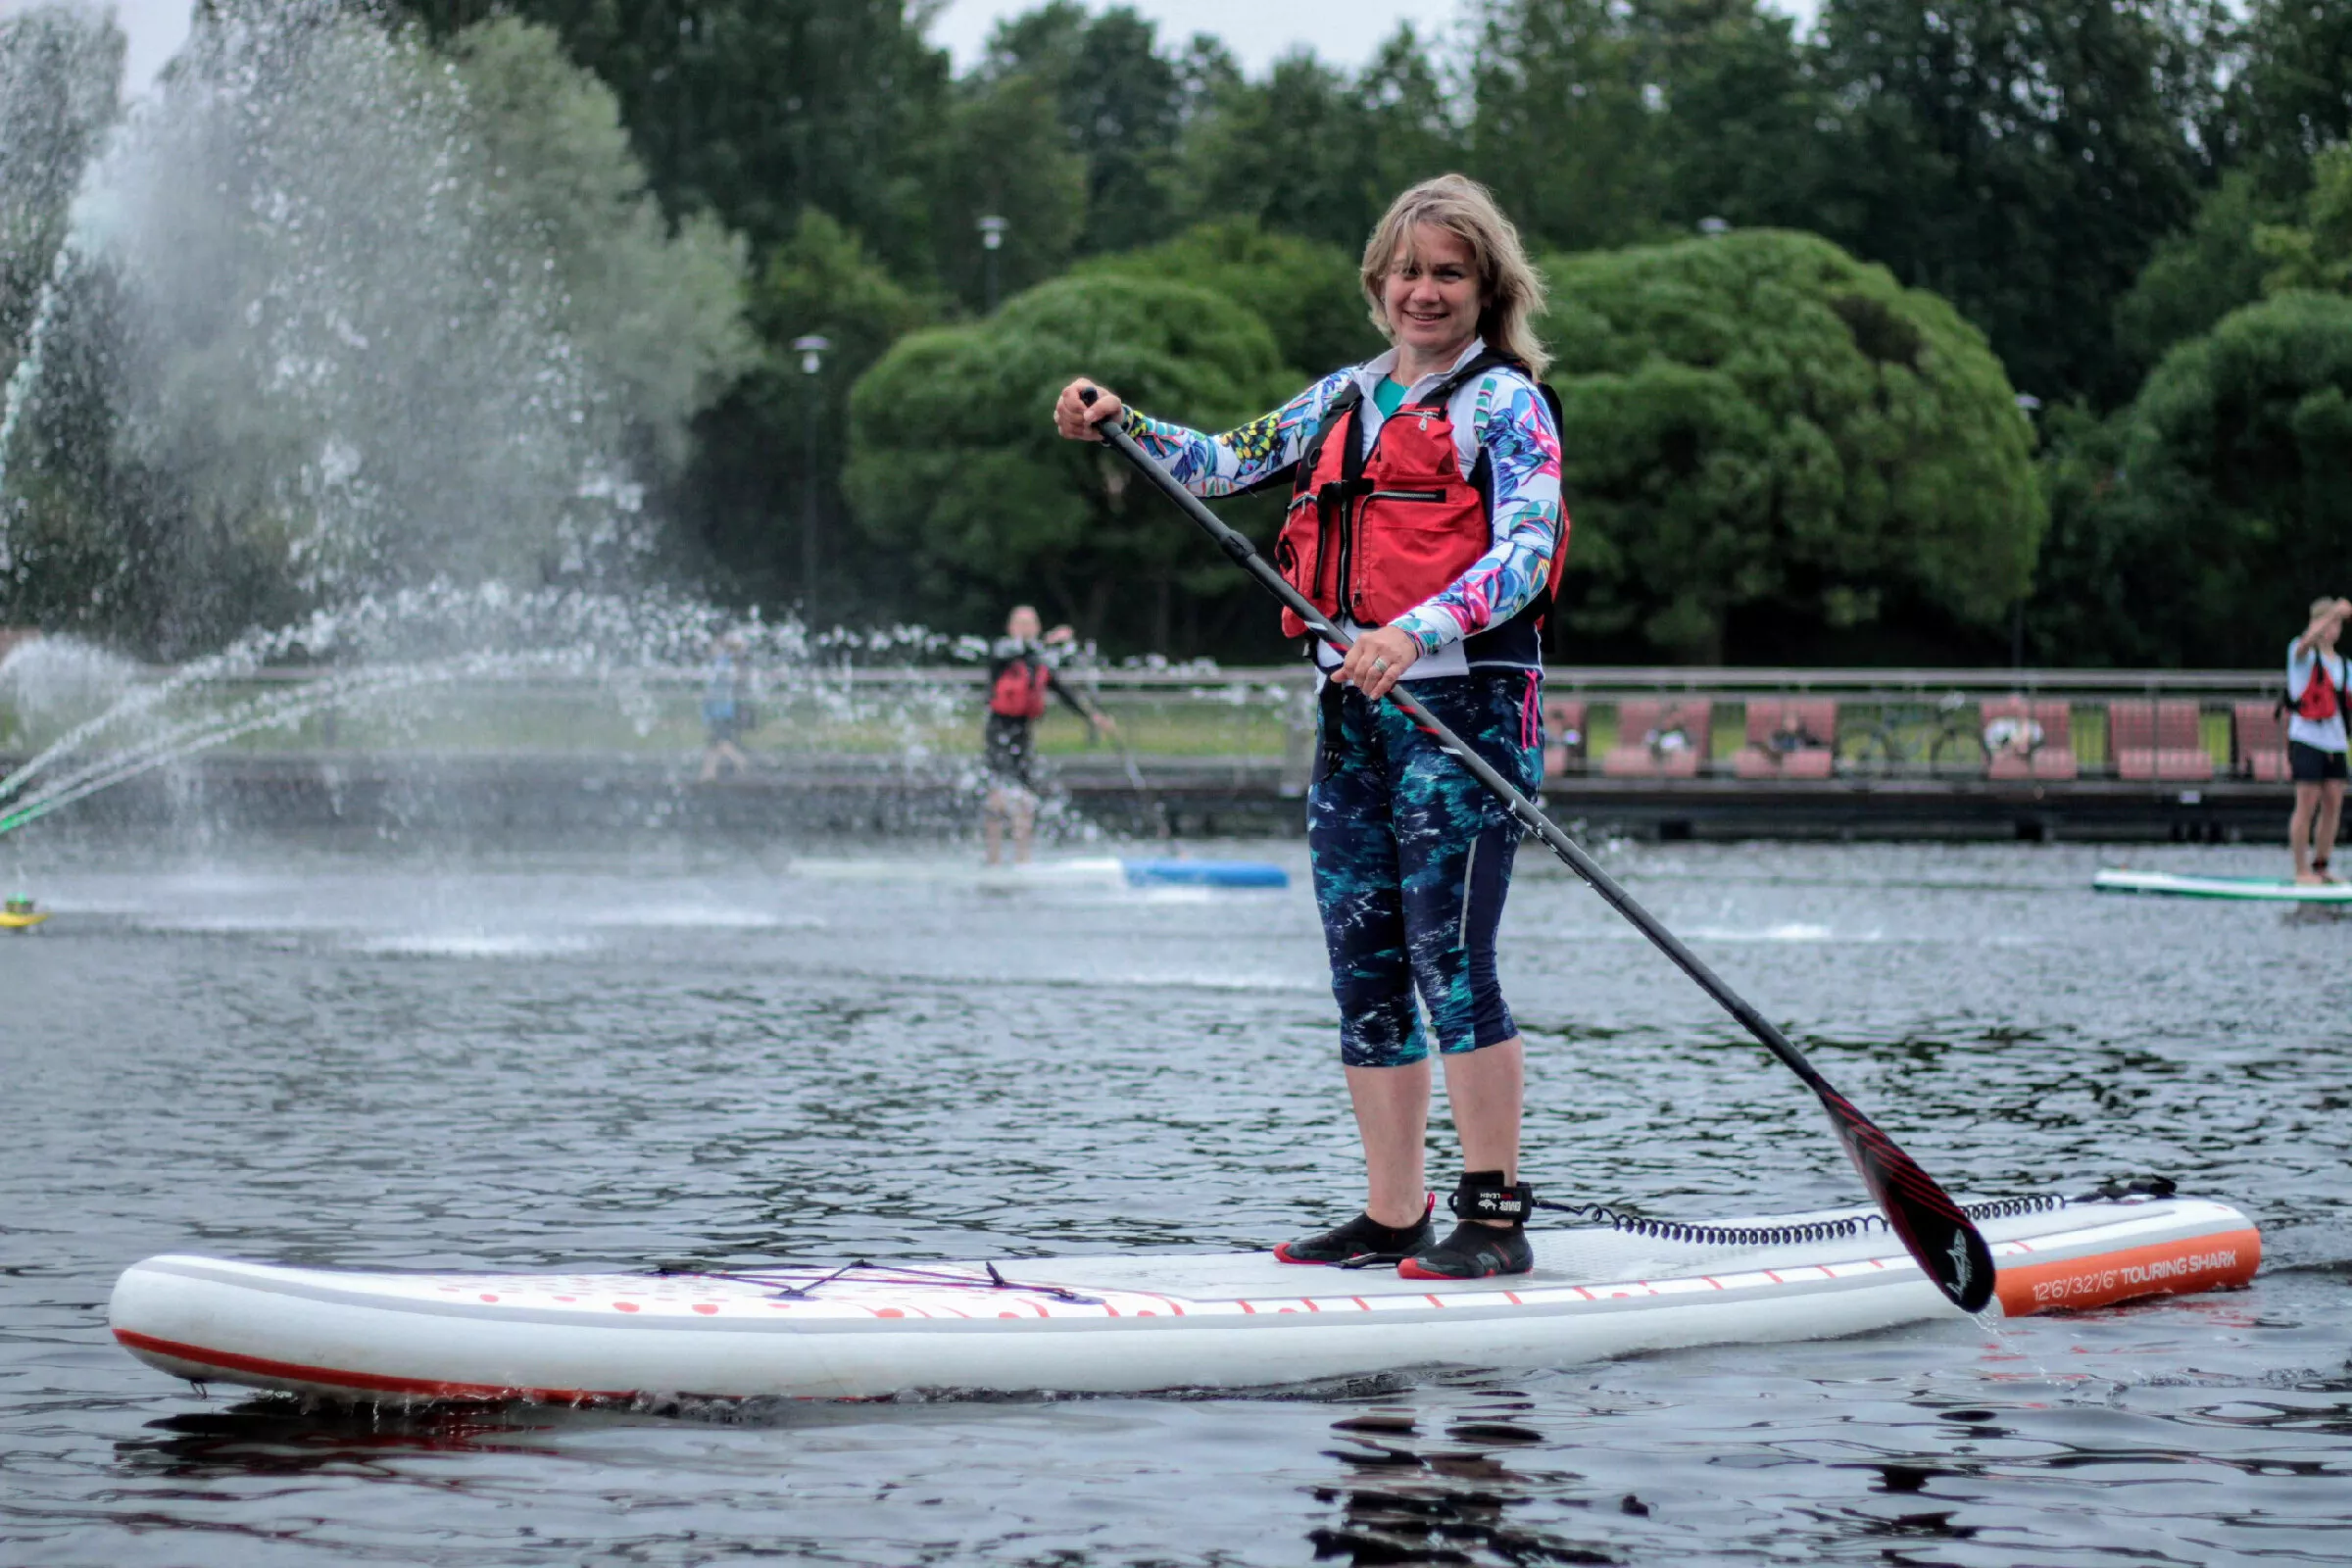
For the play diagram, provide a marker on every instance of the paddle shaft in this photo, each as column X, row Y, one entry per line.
column 1963, row 1270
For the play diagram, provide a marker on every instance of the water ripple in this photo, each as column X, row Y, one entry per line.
column 487, row 1063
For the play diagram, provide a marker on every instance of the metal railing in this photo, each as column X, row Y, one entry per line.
column 1921, row 723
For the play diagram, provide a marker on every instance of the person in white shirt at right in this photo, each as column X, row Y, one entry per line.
column 2316, row 693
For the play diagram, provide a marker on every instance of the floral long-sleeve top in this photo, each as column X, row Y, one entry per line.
column 1500, row 412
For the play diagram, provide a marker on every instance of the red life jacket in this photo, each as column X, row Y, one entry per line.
column 1021, row 690
column 2320, row 701
column 1370, row 535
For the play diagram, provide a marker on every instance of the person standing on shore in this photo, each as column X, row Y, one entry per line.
column 1020, row 673
column 2316, row 744
column 1426, row 520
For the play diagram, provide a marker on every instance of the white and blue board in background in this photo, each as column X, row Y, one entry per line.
column 2258, row 888
column 1135, row 871
column 1187, row 873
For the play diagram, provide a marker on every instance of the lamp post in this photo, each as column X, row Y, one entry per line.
column 812, row 350
column 2027, row 405
column 992, row 240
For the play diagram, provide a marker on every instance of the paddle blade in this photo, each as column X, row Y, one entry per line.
column 1946, row 1244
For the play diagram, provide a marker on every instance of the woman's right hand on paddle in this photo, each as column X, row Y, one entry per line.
column 1076, row 419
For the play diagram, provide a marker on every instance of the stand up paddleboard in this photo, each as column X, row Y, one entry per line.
column 1126, row 1324
column 2275, row 890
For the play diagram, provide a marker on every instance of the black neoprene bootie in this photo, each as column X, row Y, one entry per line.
column 1362, row 1241
column 1476, row 1251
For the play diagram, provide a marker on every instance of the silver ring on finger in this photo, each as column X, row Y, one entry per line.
column 1380, row 666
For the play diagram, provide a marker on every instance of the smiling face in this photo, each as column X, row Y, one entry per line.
column 1023, row 624
column 1430, row 295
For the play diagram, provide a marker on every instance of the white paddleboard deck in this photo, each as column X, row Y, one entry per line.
column 2274, row 890
column 1105, row 1324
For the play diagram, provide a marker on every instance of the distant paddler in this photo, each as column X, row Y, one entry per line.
column 1426, row 520
column 2316, row 746
column 1022, row 669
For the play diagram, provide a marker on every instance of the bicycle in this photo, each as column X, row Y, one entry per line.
column 1906, row 734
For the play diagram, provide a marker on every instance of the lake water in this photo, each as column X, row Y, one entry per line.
column 405, row 1059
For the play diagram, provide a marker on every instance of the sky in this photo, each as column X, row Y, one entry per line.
column 1344, row 32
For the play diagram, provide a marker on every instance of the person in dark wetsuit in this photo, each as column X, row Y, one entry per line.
column 1426, row 520
column 1020, row 673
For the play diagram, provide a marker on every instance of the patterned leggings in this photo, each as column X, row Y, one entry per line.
column 1412, row 860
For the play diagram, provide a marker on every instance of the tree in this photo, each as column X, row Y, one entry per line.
column 1564, row 128
column 1311, row 152
column 1767, row 441
column 657, row 312
column 1736, row 112
column 2194, row 526
column 2316, row 254
column 1120, row 102
column 2021, row 158
column 1005, row 155
column 2200, row 273
column 2294, row 95
column 754, row 109
column 1307, row 293
column 746, row 501
column 60, row 67
column 362, row 316
column 955, row 470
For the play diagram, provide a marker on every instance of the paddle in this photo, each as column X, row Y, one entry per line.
column 1948, row 1247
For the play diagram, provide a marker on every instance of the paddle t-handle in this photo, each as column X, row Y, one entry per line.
column 1946, row 1244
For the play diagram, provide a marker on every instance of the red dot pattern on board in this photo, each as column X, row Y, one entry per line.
column 705, row 1308
column 624, row 1307
column 888, row 1311
column 487, row 1297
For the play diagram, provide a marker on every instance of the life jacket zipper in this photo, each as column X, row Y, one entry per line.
column 1323, row 552
column 1406, row 495
column 1349, row 524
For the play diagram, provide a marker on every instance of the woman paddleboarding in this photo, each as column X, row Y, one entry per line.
column 1426, row 518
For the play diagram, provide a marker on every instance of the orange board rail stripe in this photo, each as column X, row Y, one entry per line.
column 2217, row 1261
column 368, row 1382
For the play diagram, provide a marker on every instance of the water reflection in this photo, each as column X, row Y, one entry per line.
column 285, row 1437
column 1462, row 1498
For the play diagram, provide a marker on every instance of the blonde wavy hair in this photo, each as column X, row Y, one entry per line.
column 1510, row 289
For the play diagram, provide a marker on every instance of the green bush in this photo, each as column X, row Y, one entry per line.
column 954, row 465
column 2195, row 526
column 1758, row 425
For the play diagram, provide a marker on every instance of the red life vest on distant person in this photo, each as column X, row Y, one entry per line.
column 2320, row 701
column 1370, row 535
column 1021, row 690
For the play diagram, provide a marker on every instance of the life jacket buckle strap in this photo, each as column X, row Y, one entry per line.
column 1337, row 493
